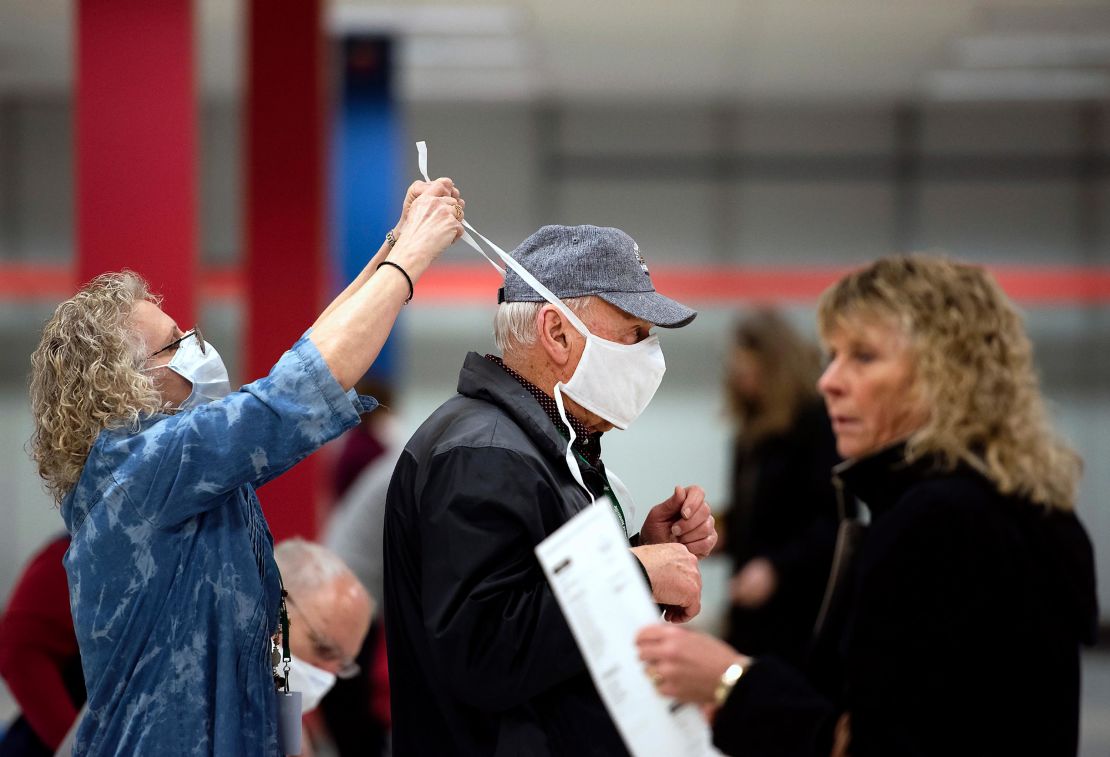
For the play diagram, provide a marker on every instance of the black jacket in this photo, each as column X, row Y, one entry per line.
column 958, row 634
column 481, row 660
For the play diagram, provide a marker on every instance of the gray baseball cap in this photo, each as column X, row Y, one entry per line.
column 576, row 261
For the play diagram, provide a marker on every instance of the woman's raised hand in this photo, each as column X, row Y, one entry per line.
column 431, row 220
column 441, row 186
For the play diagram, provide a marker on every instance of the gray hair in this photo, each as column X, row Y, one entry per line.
column 306, row 566
column 514, row 324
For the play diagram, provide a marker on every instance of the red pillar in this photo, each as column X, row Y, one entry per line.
column 136, row 145
column 284, row 212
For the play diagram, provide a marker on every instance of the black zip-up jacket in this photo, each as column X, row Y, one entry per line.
column 957, row 631
column 481, row 660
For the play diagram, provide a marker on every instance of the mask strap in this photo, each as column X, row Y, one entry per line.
column 422, row 161
column 571, row 462
column 521, row 271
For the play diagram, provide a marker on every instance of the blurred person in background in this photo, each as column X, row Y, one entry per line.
column 357, row 711
column 954, row 624
column 355, row 529
column 173, row 588
column 39, row 658
column 781, row 528
column 366, row 442
column 329, row 616
column 481, row 659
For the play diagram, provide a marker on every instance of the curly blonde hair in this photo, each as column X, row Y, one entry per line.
column 86, row 376
column 973, row 368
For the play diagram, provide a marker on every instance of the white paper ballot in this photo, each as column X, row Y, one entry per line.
column 602, row 593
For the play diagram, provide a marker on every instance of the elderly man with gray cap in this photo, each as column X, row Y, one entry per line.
column 481, row 659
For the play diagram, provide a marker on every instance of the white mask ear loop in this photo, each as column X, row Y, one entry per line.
column 572, row 464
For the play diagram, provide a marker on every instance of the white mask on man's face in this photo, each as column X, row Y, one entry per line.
column 311, row 681
column 204, row 370
column 616, row 381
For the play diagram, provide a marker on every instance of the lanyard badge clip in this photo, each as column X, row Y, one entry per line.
column 280, row 656
column 288, row 702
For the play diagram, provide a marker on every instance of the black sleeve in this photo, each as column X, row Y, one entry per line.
column 492, row 620
column 774, row 711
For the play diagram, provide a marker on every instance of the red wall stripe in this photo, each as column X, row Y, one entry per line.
column 726, row 285
column 451, row 283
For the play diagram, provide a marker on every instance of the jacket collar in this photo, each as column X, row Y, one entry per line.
column 881, row 478
column 485, row 380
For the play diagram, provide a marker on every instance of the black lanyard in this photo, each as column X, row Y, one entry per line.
column 281, row 680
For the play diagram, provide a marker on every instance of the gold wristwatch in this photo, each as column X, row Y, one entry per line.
column 728, row 680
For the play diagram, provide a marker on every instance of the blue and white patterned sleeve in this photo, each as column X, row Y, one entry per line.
column 181, row 465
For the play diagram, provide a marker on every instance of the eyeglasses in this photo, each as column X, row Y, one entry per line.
column 326, row 649
column 173, row 345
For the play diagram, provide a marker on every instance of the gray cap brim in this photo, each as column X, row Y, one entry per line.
column 651, row 307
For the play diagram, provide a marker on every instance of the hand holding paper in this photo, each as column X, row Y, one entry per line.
column 603, row 597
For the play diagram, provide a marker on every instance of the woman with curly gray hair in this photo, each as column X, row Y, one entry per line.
column 154, row 461
column 963, row 583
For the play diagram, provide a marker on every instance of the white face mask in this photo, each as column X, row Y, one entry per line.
column 205, row 371
column 614, row 380
column 311, row 681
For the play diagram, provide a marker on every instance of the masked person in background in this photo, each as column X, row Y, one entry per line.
column 329, row 615
column 481, row 659
column 172, row 582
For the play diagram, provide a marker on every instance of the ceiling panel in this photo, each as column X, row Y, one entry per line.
column 728, row 51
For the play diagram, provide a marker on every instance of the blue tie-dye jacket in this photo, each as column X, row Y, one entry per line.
column 172, row 580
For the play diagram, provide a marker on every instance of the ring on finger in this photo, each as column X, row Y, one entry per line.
column 458, row 212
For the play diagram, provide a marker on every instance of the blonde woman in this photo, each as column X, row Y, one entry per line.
column 952, row 626
column 173, row 587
